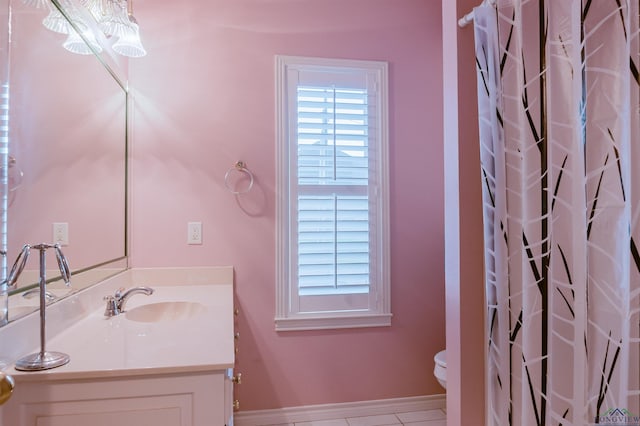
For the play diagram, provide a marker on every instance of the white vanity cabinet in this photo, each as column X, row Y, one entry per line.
column 152, row 368
column 191, row 399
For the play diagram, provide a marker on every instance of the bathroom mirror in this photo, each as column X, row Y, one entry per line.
column 67, row 155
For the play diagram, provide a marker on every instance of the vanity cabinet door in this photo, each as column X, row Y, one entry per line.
column 196, row 399
column 151, row 415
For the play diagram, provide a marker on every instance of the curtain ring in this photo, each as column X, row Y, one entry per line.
column 240, row 167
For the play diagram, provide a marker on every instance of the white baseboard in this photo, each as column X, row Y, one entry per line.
column 339, row 410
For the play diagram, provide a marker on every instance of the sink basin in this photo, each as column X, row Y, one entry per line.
column 165, row 311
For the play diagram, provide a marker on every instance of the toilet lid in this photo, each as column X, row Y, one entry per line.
column 441, row 358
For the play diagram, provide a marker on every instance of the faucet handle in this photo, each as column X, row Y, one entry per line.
column 111, row 309
column 119, row 293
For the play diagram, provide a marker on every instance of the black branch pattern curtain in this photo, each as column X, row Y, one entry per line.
column 560, row 151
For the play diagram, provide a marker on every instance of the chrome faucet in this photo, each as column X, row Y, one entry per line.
column 115, row 303
column 36, row 291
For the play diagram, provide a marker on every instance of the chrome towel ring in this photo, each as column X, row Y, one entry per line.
column 231, row 179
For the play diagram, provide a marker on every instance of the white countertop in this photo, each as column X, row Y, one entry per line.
column 112, row 347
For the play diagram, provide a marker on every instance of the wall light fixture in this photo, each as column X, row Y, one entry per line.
column 112, row 18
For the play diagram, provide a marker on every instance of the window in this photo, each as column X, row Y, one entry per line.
column 332, row 211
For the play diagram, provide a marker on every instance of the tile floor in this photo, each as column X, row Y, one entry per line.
column 415, row 418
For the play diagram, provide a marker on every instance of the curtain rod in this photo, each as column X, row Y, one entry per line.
column 468, row 18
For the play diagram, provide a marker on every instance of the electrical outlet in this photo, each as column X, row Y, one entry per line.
column 194, row 233
column 61, row 233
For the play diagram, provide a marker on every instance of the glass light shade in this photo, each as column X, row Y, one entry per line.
column 55, row 22
column 95, row 7
column 114, row 20
column 130, row 44
column 77, row 44
column 36, row 3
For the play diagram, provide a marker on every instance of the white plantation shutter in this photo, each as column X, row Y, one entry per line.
column 332, row 233
column 333, row 245
column 332, row 155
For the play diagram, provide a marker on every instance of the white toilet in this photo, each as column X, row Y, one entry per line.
column 440, row 369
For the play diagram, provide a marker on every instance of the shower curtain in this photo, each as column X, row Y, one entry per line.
column 558, row 87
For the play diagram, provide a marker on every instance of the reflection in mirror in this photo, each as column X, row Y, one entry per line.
column 64, row 172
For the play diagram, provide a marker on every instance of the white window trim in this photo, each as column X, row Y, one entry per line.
column 285, row 319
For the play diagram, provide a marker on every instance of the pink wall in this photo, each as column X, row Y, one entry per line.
column 204, row 98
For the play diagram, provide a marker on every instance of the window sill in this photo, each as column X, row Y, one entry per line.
column 319, row 322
